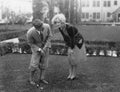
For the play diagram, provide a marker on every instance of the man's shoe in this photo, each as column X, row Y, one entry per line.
column 43, row 81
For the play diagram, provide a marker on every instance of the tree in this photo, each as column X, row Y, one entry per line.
column 43, row 9
column 40, row 9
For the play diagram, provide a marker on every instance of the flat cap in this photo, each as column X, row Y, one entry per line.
column 37, row 23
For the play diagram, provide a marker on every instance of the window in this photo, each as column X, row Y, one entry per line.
column 108, row 14
column 85, row 15
column 96, row 3
column 93, row 3
column 107, row 3
column 115, row 2
column 96, row 15
column 85, row 3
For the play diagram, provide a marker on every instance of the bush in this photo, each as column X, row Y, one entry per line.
column 25, row 48
column 6, row 48
column 58, row 50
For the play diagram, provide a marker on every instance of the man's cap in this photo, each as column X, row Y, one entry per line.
column 37, row 23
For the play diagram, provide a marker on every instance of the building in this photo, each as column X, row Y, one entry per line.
column 116, row 15
column 98, row 10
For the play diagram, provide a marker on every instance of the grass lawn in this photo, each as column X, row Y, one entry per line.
column 97, row 74
column 16, row 27
column 90, row 33
column 12, row 31
column 100, row 33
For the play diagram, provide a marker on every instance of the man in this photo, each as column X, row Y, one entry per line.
column 38, row 38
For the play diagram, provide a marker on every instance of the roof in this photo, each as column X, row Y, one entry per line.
column 117, row 10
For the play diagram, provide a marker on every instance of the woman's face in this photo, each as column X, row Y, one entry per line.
column 59, row 24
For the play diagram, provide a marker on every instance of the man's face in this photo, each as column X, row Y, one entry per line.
column 40, row 28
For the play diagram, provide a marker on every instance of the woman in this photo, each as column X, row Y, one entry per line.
column 75, row 42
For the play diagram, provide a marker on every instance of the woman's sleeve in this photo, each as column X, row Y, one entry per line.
column 48, row 38
column 73, row 31
column 78, row 38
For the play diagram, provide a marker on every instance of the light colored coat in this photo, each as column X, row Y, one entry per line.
column 35, row 42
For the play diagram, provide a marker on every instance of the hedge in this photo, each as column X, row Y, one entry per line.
column 59, row 48
column 10, row 35
column 9, row 28
column 6, row 48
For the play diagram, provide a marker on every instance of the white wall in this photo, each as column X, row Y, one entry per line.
column 103, row 10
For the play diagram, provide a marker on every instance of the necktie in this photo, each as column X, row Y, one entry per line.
column 41, row 35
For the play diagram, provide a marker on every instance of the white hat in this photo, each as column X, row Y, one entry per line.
column 59, row 18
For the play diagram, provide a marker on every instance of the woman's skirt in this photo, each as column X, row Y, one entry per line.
column 77, row 56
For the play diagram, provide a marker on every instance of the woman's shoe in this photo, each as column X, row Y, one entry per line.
column 73, row 78
column 32, row 82
column 68, row 78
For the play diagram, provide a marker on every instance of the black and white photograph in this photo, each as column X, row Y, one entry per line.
column 59, row 45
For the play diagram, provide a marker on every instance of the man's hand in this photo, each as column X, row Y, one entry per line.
column 40, row 50
column 70, row 51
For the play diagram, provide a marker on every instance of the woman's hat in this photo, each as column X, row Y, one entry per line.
column 59, row 18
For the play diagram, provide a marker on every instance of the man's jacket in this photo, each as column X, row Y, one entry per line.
column 34, row 38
